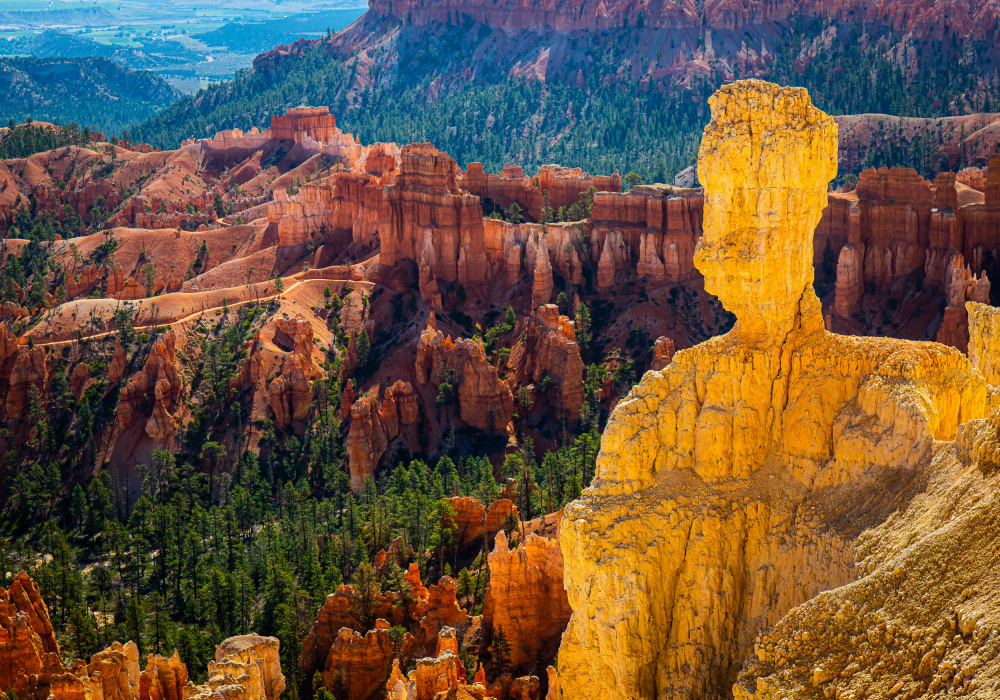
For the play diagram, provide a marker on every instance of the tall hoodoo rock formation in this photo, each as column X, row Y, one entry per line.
column 542, row 284
column 984, row 340
column 362, row 661
column 734, row 485
column 245, row 667
column 526, row 598
column 552, row 352
column 164, row 678
column 374, row 424
column 895, row 206
column 290, row 393
column 29, row 371
column 663, row 352
column 470, row 521
column 27, row 640
column 960, row 286
column 113, row 673
column 434, row 677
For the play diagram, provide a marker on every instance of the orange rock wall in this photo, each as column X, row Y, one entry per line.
column 426, row 209
column 563, row 185
column 653, row 227
column 344, row 200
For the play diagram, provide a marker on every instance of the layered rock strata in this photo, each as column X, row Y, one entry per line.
column 164, row 678
column 562, row 186
column 425, row 209
column 28, row 371
column 653, row 227
column 338, row 614
column 961, row 286
column 984, row 340
column 897, row 225
column 736, row 484
column 344, row 200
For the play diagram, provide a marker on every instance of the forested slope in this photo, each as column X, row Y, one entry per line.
column 93, row 92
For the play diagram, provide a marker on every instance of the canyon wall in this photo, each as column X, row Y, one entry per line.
column 899, row 227
column 431, row 213
column 562, row 187
column 655, row 228
column 724, row 14
column 895, row 227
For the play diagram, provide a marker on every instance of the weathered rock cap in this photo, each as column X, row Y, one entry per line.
column 765, row 160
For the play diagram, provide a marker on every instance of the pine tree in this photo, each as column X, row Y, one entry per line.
column 500, row 652
column 366, row 591
column 78, row 505
column 364, row 344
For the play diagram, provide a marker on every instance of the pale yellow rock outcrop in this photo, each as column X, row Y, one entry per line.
column 746, row 477
column 247, row 667
column 984, row 340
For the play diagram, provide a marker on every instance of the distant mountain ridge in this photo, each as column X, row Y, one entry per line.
column 87, row 16
column 52, row 43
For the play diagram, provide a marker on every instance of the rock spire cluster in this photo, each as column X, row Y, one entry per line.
column 246, row 667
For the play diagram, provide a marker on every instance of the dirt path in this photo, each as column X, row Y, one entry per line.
column 201, row 312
